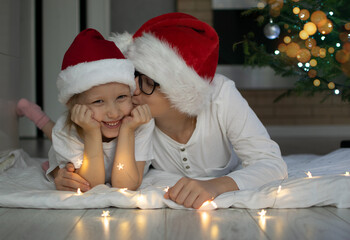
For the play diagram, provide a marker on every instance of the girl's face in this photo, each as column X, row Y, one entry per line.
column 157, row 101
column 110, row 103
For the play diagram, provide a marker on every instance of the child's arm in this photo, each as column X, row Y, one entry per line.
column 92, row 169
column 126, row 172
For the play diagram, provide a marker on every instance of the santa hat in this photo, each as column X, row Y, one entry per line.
column 90, row 61
column 180, row 53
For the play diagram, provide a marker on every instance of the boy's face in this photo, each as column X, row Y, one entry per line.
column 110, row 103
column 157, row 101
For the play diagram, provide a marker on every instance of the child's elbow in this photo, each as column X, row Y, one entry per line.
column 130, row 186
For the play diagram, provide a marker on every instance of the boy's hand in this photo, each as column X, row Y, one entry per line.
column 83, row 116
column 192, row 193
column 139, row 115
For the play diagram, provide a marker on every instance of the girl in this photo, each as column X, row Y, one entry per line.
column 95, row 84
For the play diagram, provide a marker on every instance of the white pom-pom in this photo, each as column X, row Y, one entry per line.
column 123, row 40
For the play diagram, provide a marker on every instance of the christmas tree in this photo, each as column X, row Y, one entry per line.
column 310, row 40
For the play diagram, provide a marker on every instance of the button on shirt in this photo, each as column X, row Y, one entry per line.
column 227, row 132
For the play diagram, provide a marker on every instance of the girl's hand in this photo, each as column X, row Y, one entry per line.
column 192, row 193
column 139, row 115
column 83, row 116
column 67, row 180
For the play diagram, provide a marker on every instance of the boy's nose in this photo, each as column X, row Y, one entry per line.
column 137, row 89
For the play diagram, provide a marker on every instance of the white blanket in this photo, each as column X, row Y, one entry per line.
column 23, row 184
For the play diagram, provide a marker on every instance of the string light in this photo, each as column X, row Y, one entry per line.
column 105, row 214
column 300, row 64
column 309, row 174
column 331, row 13
column 336, row 91
column 79, row 191
column 277, row 52
column 279, row 189
column 123, row 190
column 120, row 166
column 262, row 213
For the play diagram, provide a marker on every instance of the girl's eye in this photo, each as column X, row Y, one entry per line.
column 121, row 97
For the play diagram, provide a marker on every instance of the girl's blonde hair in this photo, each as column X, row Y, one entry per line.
column 69, row 123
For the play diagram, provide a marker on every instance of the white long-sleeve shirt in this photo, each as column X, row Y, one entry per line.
column 227, row 132
column 68, row 146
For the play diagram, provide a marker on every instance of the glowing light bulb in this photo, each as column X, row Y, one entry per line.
column 262, row 213
column 347, row 174
column 120, row 166
column 279, row 189
column 338, row 44
column 336, row 91
column 277, row 52
column 300, row 64
column 123, row 190
column 105, row 214
column 331, row 13
column 307, row 64
column 309, row 174
column 79, row 191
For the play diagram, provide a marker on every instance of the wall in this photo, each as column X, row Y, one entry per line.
column 9, row 69
column 130, row 15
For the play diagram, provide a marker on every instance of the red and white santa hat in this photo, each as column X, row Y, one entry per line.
column 91, row 61
column 180, row 53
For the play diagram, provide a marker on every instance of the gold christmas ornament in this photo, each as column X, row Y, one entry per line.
column 287, row 39
column 292, row 49
column 345, row 67
column 331, row 85
column 326, row 28
column 317, row 82
column 304, row 14
column 347, row 26
column 282, row 47
column 318, row 17
column 346, row 47
column 313, row 62
column 310, row 28
column 296, row 10
column 312, row 73
column 315, row 51
column 323, row 52
column 343, row 36
column 310, row 43
column 331, row 50
column 303, row 35
column 303, row 55
column 342, row 56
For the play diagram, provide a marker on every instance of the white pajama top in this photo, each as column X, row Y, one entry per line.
column 68, row 146
column 227, row 133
